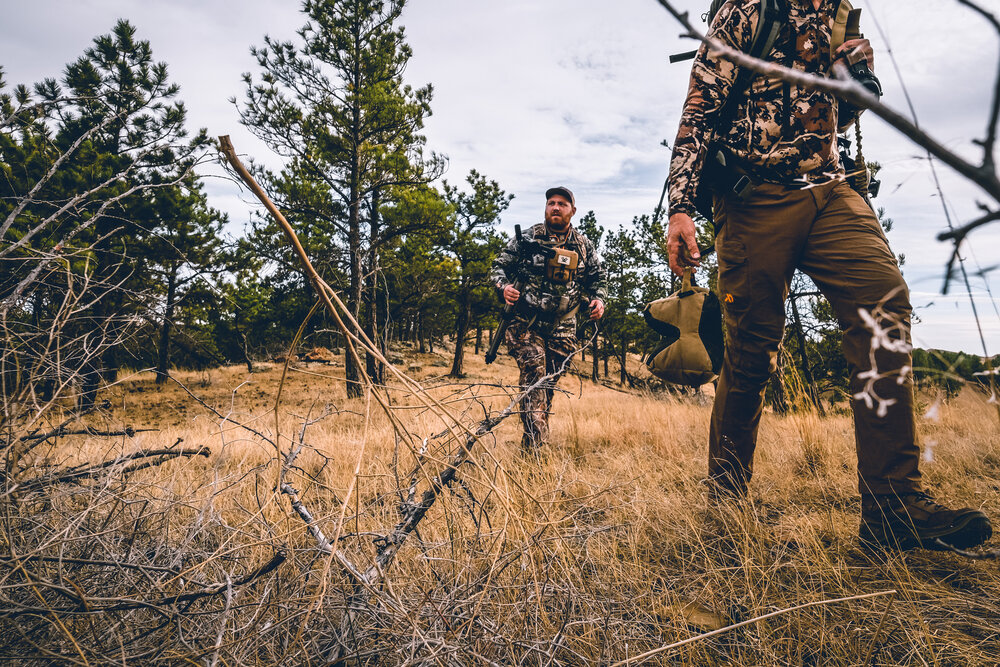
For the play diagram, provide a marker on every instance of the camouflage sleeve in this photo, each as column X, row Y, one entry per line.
column 711, row 79
column 502, row 269
column 595, row 277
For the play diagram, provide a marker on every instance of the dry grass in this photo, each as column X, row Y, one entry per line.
column 601, row 549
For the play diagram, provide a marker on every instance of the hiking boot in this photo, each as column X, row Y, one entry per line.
column 720, row 491
column 914, row 520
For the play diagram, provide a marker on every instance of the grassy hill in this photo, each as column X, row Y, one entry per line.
column 601, row 548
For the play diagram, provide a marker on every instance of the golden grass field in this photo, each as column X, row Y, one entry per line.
column 601, row 550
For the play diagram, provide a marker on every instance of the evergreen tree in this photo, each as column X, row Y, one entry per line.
column 184, row 249
column 589, row 227
column 474, row 243
column 92, row 149
column 622, row 320
column 335, row 106
column 418, row 273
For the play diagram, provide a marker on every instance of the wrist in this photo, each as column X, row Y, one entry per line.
column 680, row 210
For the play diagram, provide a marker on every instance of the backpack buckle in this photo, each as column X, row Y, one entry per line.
column 743, row 187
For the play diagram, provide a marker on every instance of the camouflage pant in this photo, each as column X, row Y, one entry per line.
column 538, row 355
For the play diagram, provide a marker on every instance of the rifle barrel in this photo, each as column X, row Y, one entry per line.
column 505, row 317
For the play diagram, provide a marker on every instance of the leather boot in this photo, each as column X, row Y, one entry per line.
column 915, row 520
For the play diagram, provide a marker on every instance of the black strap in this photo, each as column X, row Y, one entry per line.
column 769, row 22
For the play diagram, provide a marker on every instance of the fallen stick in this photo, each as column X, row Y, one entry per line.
column 649, row 654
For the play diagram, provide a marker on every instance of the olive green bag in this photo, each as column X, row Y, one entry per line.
column 689, row 322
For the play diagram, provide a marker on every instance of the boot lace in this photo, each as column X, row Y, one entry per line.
column 924, row 499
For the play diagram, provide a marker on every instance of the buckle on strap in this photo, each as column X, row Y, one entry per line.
column 743, row 186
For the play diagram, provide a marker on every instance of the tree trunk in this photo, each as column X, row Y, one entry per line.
column 244, row 340
column 593, row 353
column 351, row 371
column 479, row 339
column 624, row 371
column 461, row 330
column 44, row 371
column 804, row 359
column 778, row 393
column 604, row 349
column 374, row 368
column 163, row 353
column 92, row 370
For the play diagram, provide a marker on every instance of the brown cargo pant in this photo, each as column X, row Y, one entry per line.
column 537, row 356
column 830, row 234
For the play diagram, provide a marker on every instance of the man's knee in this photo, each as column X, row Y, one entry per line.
column 886, row 319
column 751, row 367
column 752, row 353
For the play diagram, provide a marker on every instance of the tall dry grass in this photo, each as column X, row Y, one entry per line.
column 601, row 548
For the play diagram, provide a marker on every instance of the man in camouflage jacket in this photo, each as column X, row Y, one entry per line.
column 542, row 334
column 801, row 214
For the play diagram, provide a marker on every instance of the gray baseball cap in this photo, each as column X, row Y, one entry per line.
column 561, row 191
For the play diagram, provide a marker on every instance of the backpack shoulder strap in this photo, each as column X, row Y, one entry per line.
column 771, row 18
column 840, row 25
column 581, row 242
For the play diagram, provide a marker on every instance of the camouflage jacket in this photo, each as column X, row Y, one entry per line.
column 543, row 303
column 780, row 132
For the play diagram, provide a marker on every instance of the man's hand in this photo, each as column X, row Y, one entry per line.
column 682, row 246
column 596, row 309
column 854, row 50
column 510, row 295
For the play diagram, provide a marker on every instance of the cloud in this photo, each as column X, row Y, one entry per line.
column 575, row 92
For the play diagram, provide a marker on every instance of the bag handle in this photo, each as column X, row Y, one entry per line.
column 686, row 279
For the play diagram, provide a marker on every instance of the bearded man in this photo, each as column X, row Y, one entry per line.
column 542, row 335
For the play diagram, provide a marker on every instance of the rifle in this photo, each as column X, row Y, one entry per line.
column 524, row 249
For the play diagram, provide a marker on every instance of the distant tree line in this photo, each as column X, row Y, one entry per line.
column 113, row 258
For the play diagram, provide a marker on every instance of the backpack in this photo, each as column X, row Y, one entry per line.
column 690, row 349
column 538, row 230
column 720, row 174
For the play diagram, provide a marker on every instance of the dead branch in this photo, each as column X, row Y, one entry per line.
column 414, row 512
column 61, row 431
column 93, row 606
column 76, row 474
column 959, row 234
column 649, row 654
column 985, row 554
column 991, row 127
column 12, row 561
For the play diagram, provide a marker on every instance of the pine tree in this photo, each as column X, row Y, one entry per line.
column 335, row 106
column 184, row 250
column 97, row 145
column 474, row 243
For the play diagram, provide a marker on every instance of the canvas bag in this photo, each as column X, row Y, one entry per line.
column 689, row 322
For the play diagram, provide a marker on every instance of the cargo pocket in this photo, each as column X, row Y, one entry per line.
column 734, row 279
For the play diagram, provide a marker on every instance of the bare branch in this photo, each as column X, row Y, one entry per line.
column 75, row 474
column 93, row 606
column 991, row 127
column 959, row 234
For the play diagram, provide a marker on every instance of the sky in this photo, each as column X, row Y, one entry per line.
column 580, row 93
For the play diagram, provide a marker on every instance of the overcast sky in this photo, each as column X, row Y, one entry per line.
column 580, row 93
